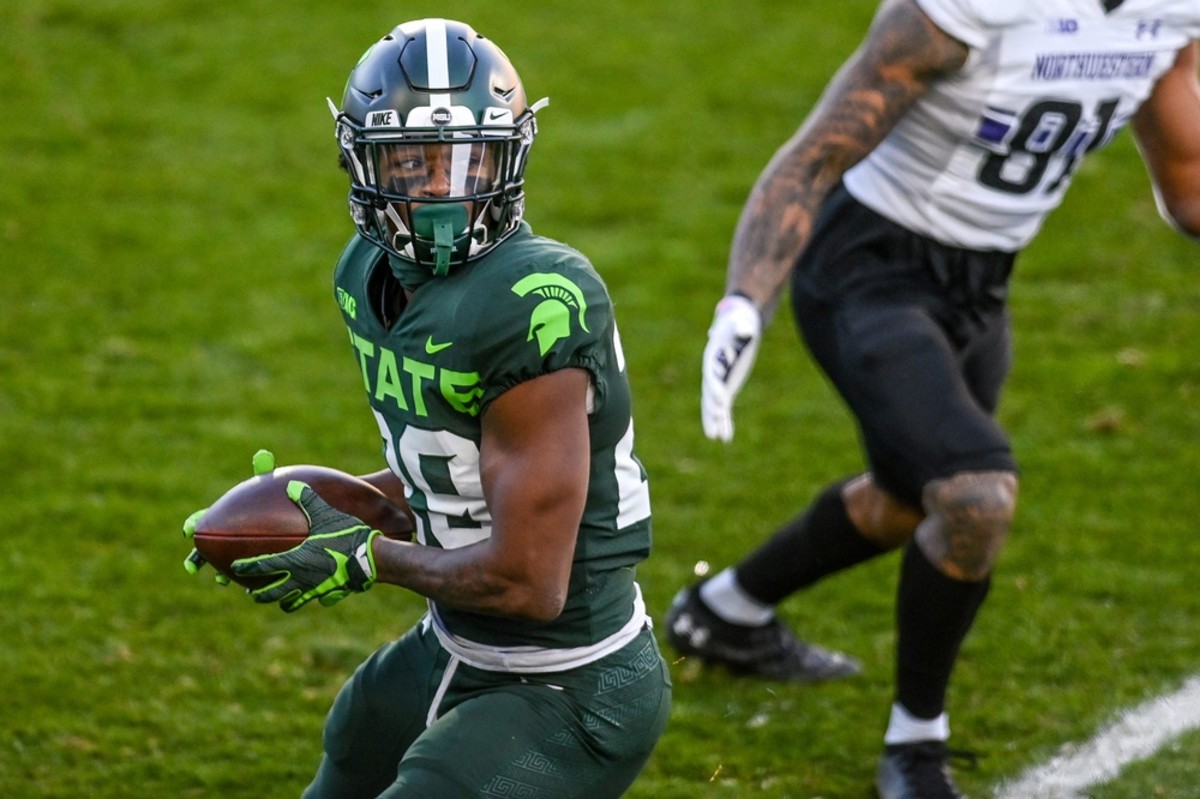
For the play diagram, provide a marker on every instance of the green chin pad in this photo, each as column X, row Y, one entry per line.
column 442, row 223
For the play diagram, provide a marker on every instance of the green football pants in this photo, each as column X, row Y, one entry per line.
column 399, row 729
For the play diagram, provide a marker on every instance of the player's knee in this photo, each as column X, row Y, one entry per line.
column 969, row 515
column 877, row 515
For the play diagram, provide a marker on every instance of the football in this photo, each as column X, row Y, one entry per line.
column 256, row 516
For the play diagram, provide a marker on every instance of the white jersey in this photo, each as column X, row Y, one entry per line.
column 987, row 153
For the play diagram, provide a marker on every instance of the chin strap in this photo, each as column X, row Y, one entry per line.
column 440, row 222
column 443, row 246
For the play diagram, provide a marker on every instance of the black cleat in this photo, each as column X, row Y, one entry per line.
column 770, row 650
column 918, row 770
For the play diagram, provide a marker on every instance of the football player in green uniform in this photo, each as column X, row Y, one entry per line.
column 491, row 361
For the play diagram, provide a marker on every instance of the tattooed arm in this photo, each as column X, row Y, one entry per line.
column 904, row 53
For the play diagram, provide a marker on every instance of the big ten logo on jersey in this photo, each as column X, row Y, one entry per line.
column 347, row 303
column 1062, row 25
column 408, row 383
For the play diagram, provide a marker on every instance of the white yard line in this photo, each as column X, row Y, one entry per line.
column 1137, row 734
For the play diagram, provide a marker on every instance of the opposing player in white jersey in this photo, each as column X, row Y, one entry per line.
column 896, row 212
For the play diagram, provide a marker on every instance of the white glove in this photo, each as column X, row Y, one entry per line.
column 732, row 344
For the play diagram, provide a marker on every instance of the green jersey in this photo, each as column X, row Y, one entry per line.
column 431, row 366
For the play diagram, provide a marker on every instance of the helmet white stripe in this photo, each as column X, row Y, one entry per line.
column 438, row 64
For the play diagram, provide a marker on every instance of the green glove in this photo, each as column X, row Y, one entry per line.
column 262, row 462
column 332, row 563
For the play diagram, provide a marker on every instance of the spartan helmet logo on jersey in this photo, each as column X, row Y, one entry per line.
column 435, row 132
column 551, row 318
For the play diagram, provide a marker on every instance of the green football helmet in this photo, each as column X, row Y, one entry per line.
column 435, row 132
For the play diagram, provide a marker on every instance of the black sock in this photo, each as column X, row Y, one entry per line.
column 814, row 545
column 933, row 614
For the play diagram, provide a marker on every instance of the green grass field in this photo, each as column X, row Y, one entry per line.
column 170, row 210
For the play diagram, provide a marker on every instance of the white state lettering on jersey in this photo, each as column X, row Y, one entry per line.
column 982, row 158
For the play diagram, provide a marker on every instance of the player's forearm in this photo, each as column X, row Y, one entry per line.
column 1167, row 130
column 1182, row 208
column 468, row 579
column 903, row 55
column 774, row 228
column 777, row 220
